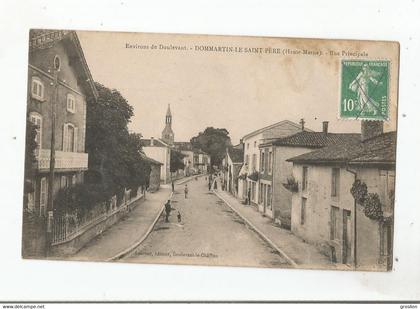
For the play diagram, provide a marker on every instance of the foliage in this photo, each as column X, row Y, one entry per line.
column 214, row 142
column 373, row 207
column 30, row 158
column 291, row 185
column 359, row 191
column 115, row 162
column 78, row 199
column 177, row 162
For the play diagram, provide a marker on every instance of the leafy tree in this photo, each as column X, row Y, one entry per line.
column 177, row 162
column 114, row 159
column 213, row 141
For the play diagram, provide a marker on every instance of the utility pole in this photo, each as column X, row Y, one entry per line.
column 50, row 204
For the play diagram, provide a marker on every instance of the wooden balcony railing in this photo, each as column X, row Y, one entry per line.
column 63, row 160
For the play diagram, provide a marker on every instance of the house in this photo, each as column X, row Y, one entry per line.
column 354, row 231
column 232, row 164
column 248, row 175
column 59, row 87
column 187, row 150
column 201, row 161
column 275, row 176
column 160, row 151
column 154, row 177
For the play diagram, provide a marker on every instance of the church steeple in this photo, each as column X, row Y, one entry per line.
column 167, row 133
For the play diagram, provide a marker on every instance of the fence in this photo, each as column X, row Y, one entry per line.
column 69, row 225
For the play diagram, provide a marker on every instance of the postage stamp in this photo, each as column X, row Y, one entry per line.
column 364, row 89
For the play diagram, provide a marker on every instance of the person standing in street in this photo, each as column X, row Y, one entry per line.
column 173, row 186
column 168, row 208
column 186, row 190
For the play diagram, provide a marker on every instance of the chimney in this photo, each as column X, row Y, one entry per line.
column 325, row 127
column 371, row 129
column 302, row 123
column 152, row 141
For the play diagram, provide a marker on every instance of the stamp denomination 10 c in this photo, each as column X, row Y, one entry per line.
column 364, row 89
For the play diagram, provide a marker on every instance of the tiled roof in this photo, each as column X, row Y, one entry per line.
column 377, row 150
column 153, row 161
column 186, row 146
column 156, row 143
column 236, row 155
column 315, row 139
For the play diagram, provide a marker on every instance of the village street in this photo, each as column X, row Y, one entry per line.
column 209, row 233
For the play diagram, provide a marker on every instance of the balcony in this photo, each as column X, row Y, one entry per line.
column 63, row 160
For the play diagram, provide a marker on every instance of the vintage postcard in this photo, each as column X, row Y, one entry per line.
column 210, row 150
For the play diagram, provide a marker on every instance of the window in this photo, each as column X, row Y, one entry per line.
column 254, row 161
column 270, row 162
column 247, row 160
column 304, row 178
column 57, row 63
column 70, row 138
column 334, row 211
column 269, row 197
column 63, row 182
column 255, row 144
column 303, row 211
column 335, row 182
column 43, row 196
column 247, row 146
column 262, row 161
column 71, row 103
column 37, row 88
column 36, row 119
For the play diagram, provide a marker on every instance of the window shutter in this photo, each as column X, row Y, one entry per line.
column 76, row 130
column 65, row 137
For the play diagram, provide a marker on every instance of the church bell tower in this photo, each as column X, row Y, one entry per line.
column 167, row 133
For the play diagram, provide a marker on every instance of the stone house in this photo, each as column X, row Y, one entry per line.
column 248, row 175
column 324, row 211
column 60, row 84
column 276, row 172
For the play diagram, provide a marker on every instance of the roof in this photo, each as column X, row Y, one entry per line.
column 236, row 155
column 283, row 122
column 150, row 160
column 377, row 150
column 168, row 111
column 314, row 139
column 186, row 146
column 42, row 39
column 156, row 143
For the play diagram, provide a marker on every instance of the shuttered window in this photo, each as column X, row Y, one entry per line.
column 70, row 138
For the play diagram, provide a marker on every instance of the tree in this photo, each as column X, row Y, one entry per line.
column 30, row 158
column 213, row 141
column 115, row 162
column 177, row 162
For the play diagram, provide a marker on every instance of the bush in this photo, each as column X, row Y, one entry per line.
column 79, row 199
column 373, row 207
column 359, row 191
column 291, row 184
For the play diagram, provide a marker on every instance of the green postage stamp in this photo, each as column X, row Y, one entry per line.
column 364, row 89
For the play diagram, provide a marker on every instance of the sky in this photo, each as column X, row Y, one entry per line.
column 241, row 92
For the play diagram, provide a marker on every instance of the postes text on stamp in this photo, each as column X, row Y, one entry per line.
column 364, row 89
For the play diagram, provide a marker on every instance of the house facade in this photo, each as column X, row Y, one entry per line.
column 232, row 164
column 160, row 151
column 154, row 177
column 59, row 86
column 276, row 173
column 248, row 184
column 324, row 211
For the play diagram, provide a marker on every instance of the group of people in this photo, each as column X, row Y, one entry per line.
column 168, row 206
